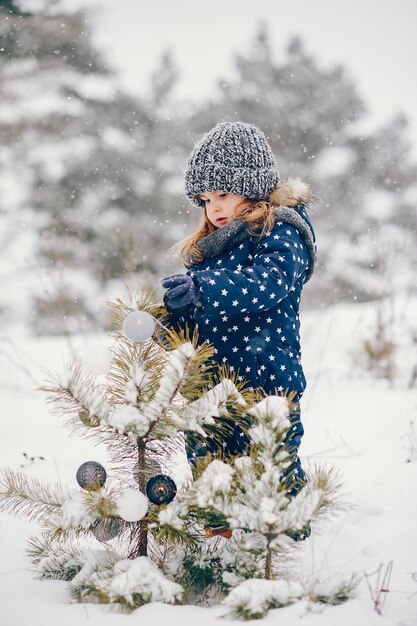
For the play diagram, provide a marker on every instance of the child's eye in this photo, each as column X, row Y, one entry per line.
column 222, row 195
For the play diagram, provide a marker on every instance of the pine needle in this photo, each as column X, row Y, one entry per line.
column 20, row 495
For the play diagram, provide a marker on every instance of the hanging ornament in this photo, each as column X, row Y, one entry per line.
column 92, row 421
column 91, row 476
column 132, row 505
column 139, row 326
column 161, row 489
column 152, row 467
column 106, row 529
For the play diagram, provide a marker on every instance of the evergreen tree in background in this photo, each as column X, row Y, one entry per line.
column 231, row 525
column 93, row 165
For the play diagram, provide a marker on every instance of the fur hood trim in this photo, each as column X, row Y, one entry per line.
column 291, row 192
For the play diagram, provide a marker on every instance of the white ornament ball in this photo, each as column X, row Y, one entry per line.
column 132, row 505
column 139, row 326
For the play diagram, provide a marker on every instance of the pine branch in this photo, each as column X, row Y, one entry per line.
column 20, row 495
column 55, row 560
column 328, row 481
column 340, row 593
column 83, row 587
column 136, row 369
column 101, row 503
column 86, row 405
column 175, row 537
column 160, row 416
column 199, row 376
column 214, row 401
column 81, row 511
column 173, row 379
column 77, row 390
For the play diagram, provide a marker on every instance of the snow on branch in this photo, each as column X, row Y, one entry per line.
column 169, row 410
column 53, row 560
column 142, row 420
column 210, row 405
column 77, row 389
column 131, row 583
column 253, row 598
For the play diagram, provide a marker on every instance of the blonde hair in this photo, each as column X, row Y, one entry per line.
column 258, row 215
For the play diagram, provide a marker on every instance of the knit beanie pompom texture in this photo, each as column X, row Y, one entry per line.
column 234, row 157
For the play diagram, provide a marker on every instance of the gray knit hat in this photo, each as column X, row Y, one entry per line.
column 234, row 157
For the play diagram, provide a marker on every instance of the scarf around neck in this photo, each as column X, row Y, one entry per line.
column 226, row 238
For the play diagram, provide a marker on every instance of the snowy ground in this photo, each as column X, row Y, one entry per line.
column 362, row 425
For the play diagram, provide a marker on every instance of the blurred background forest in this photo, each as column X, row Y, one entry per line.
column 91, row 177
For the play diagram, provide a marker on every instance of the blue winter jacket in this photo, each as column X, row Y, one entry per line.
column 249, row 289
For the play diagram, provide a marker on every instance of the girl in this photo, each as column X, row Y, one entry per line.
column 247, row 264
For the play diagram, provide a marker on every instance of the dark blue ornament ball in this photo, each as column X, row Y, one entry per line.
column 161, row 489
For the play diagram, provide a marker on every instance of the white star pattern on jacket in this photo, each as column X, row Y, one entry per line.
column 250, row 299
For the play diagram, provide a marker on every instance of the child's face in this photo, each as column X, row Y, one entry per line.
column 221, row 207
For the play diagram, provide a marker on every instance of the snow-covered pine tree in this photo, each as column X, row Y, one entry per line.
column 162, row 384
column 248, row 496
column 151, row 396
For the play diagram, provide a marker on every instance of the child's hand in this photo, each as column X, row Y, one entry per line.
column 174, row 279
column 181, row 292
